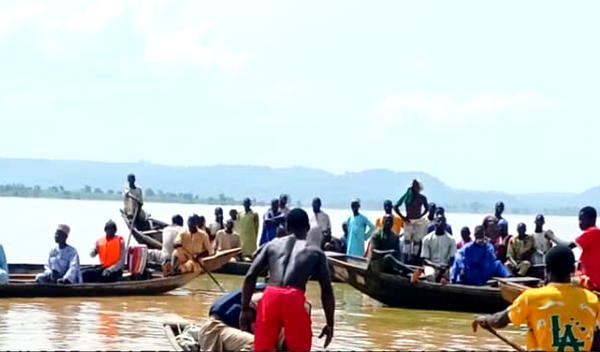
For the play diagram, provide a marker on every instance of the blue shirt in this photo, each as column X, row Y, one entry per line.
column 66, row 262
column 228, row 307
column 269, row 231
column 359, row 230
column 475, row 265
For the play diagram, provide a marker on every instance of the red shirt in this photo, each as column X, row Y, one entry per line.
column 589, row 241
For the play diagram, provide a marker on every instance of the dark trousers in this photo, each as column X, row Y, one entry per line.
column 94, row 274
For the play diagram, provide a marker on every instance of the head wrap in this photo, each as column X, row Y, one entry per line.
column 64, row 228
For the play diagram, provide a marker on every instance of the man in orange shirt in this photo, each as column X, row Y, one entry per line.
column 397, row 224
column 111, row 251
column 559, row 316
column 190, row 246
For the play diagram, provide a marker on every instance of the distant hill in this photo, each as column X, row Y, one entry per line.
column 263, row 183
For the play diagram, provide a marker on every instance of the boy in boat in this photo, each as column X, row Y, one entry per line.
column 415, row 223
column 560, row 316
column 439, row 249
column 63, row 261
column 520, row 251
column 291, row 262
column 133, row 201
column 227, row 238
column 190, row 246
column 476, row 262
column 465, row 235
column 111, row 251
column 589, row 242
column 3, row 267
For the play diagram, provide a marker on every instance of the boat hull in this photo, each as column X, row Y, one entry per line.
column 398, row 291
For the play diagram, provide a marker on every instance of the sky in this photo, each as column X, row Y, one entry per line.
column 494, row 95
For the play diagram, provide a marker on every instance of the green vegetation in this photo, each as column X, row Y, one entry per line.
column 95, row 193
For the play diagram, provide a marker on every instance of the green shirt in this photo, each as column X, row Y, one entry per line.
column 382, row 241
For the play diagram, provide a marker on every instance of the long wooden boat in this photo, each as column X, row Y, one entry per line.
column 398, row 291
column 151, row 238
column 22, row 284
column 172, row 330
column 511, row 290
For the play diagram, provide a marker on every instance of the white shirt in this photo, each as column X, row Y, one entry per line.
column 168, row 238
column 438, row 248
column 130, row 204
column 321, row 220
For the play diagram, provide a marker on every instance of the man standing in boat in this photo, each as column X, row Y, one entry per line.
column 133, row 201
column 415, row 223
column 111, row 251
column 290, row 262
column 559, row 316
column 248, row 229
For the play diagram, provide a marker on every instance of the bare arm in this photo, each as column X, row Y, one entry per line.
column 496, row 321
column 327, row 298
column 397, row 210
column 425, row 206
column 259, row 264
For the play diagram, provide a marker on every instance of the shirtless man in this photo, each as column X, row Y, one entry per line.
column 291, row 262
column 415, row 224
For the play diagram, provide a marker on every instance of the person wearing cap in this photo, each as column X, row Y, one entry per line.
column 110, row 249
column 63, row 261
column 475, row 263
column 559, row 316
column 415, row 222
column 360, row 229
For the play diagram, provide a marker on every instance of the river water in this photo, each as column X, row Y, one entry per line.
column 134, row 323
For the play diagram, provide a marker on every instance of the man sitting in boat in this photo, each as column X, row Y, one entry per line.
column 415, row 222
column 386, row 249
column 133, row 201
column 190, row 246
column 110, row 249
column 3, row 267
column 163, row 256
column 227, row 238
column 589, row 242
column 291, row 262
column 438, row 211
column 465, row 235
column 439, row 249
column 63, row 261
column 520, row 251
column 476, row 262
column 559, row 316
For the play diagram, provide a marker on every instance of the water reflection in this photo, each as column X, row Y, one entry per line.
column 134, row 323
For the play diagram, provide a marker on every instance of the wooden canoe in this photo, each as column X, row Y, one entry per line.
column 398, row 291
column 22, row 284
column 511, row 290
column 151, row 238
column 172, row 330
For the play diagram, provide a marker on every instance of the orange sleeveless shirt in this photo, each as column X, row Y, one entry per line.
column 109, row 251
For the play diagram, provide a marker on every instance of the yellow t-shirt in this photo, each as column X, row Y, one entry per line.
column 397, row 225
column 560, row 317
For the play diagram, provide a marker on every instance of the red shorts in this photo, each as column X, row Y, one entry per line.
column 282, row 307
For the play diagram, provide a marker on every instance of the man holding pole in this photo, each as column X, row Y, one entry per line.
column 133, row 201
column 560, row 316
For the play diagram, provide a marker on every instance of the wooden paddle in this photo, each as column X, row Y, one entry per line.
column 492, row 331
column 135, row 215
column 211, row 275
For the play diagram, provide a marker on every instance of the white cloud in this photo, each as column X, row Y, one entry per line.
column 442, row 107
column 184, row 45
column 14, row 16
column 96, row 16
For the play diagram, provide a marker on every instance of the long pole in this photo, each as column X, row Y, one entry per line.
column 211, row 275
column 504, row 339
column 135, row 215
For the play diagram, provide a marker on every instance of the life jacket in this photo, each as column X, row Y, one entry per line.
column 109, row 251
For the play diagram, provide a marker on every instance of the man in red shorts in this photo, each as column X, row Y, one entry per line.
column 290, row 262
column 589, row 242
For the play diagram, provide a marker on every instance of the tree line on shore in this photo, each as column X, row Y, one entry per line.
column 96, row 193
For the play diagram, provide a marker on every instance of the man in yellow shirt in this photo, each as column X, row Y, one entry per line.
column 397, row 224
column 560, row 316
column 189, row 248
